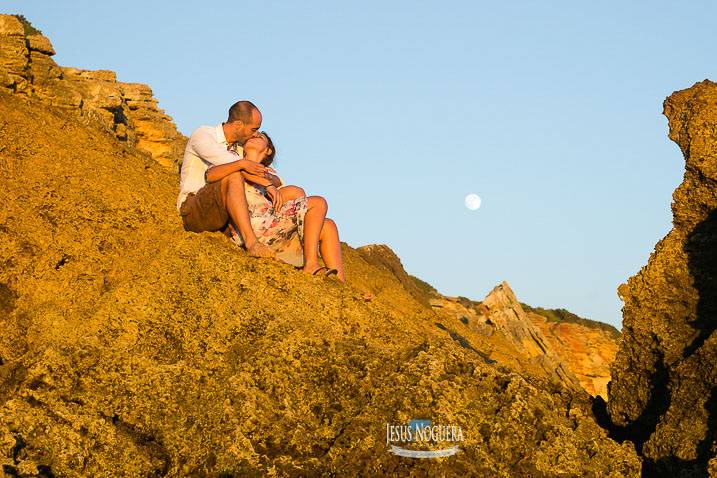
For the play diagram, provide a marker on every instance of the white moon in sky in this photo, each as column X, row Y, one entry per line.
column 473, row 202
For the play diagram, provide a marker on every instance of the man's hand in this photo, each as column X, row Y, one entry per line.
column 257, row 169
column 276, row 199
column 243, row 166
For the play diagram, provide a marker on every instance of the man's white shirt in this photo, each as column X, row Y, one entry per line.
column 207, row 146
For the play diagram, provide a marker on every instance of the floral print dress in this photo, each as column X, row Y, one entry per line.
column 283, row 230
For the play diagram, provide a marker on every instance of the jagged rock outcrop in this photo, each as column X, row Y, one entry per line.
column 507, row 333
column 132, row 348
column 129, row 111
column 586, row 350
column 499, row 328
column 663, row 393
column 507, row 316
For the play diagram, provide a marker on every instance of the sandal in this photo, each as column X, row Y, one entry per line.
column 318, row 269
column 327, row 273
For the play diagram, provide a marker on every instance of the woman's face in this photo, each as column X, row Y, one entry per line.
column 259, row 145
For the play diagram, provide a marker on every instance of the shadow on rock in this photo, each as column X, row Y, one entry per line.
column 701, row 249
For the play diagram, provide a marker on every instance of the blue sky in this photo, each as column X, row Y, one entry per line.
column 395, row 111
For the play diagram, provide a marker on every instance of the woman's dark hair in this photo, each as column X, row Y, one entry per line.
column 269, row 157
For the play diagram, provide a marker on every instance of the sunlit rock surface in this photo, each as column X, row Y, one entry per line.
column 664, row 380
column 129, row 347
column 132, row 348
column 128, row 111
column 587, row 350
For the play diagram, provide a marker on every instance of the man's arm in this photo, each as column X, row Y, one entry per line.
column 248, row 169
column 267, row 180
column 206, row 147
column 223, row 162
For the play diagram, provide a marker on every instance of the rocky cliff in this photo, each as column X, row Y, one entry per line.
column 498, row 328
column 568, row 352
column 128, row 111
column 663, row 393
column 586, row 350
column 132, row 348
column 129, row 347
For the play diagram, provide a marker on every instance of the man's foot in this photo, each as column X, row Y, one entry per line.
column 259, row 249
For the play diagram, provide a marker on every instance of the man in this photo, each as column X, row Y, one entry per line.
column 212, row 186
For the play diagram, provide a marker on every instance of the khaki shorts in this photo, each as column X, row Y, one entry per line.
column 204, row 210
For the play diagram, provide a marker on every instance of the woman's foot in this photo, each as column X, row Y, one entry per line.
column 315, row 270
column 259, row 249
column 333, row 274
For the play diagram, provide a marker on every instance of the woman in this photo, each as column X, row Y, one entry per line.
column 293, row 225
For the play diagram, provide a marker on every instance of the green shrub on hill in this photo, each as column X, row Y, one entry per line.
column 562, row 315
column 29, row 29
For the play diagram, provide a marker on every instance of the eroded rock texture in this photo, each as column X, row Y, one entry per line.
column 586, row 350
column 128, row 111
column 663, row 394
column 129, row 347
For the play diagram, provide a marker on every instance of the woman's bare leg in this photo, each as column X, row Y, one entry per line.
column 313, row 222
column 291, row 192
column 331, row 247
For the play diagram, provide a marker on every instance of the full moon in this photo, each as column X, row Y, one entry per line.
column 472, row 202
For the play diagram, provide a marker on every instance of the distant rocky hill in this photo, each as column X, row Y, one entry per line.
column 573, row 351
column 132, row 348
column 128, row 111
column 563, row 316
column 581, row 351
column 586, row 349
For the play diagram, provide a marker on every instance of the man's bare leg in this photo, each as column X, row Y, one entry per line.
column 234, row 199
column 330, row 247
column 313, row 222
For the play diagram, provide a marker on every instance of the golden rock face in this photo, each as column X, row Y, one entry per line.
column 129, row 347
column 132, row 348
column 586, row 351
column 663, row 391
column 127, row 110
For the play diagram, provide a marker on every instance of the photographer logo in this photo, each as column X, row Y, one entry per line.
column 414, row 438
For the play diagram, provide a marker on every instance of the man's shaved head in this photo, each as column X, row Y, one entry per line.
column 243, row 123
column 242, row 111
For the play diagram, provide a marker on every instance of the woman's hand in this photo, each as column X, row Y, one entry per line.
column 276, row 199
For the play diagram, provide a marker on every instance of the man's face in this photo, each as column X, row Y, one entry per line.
column 244, row 131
